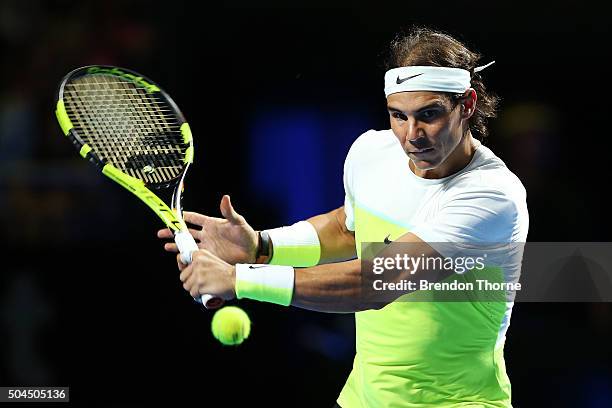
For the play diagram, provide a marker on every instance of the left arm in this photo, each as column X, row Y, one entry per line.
column 334, row 288
column 475, row 215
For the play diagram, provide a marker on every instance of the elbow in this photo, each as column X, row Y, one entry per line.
column 365, row 306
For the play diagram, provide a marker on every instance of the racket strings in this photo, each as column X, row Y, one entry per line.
column 128, row 127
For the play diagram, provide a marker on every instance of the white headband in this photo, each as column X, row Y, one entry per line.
column 425, row 78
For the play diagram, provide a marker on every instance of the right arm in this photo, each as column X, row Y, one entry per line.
column 232, row 239
column 337, row 241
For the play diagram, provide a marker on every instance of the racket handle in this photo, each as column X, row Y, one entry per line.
column 187, row 245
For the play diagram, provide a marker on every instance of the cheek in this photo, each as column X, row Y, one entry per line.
column 398, row 132
column 443, row 134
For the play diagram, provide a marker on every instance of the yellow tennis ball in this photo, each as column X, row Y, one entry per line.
column 231, row 325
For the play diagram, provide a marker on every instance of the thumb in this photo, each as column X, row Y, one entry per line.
column 228, row 211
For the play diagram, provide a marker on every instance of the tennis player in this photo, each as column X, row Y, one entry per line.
column 428, row 179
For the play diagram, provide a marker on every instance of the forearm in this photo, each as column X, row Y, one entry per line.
column 320, row 239
column 337, row 242
column 332, row 288
column 341, row 287
column 344, row 287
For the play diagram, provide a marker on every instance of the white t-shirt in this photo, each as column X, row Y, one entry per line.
column 483, row 203
column 420, row 353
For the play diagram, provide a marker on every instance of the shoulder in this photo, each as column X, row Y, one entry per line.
column 370, row 143
column 490, row 191
column 489, row 174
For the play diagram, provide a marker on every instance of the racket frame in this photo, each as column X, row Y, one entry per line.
column 171, row 216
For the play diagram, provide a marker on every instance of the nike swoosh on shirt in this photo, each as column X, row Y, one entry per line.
column 399, row 81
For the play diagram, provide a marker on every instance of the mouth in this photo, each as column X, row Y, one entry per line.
column 421, row 152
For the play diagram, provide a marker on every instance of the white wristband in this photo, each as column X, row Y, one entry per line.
column 297, row 245
column 266, row 283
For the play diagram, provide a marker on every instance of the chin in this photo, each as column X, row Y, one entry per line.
column 424, row 165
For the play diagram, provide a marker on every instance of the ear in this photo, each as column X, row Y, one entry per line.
column 468, row 103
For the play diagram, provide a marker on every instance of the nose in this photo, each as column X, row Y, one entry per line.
column 415, row 135
column 419, row 143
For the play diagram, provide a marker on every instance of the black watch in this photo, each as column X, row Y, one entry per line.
column 263, row 245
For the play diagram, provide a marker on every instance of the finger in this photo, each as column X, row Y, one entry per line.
column 192, row 283
column 195, row 218
column 188, row 282
column 181, row 264
column 228, row 210
column 170, row 247
column 185, row 274
column 195, row 233
column 201, row 255
column 187, row 287
column 164, row 233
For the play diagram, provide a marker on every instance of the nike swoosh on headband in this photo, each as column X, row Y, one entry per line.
column 399, row 81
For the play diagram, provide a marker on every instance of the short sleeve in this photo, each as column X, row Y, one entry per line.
column 349, row 200
column 478, row 216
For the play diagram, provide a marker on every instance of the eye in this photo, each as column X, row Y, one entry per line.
column 398, row 116
column 429, row 114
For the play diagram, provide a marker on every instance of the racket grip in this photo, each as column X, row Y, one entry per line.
column 186, row 246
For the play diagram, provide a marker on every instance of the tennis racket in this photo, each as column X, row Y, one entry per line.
column 133, row 132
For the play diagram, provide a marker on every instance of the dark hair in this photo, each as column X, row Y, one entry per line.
column 424, row 46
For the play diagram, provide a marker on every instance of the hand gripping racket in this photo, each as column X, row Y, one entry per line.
column 135, row 134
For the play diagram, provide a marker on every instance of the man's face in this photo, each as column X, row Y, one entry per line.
column 426, row 125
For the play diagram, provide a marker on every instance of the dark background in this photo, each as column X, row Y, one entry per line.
column 275, row 96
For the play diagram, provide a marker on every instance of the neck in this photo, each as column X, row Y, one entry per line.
column 455, row 162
